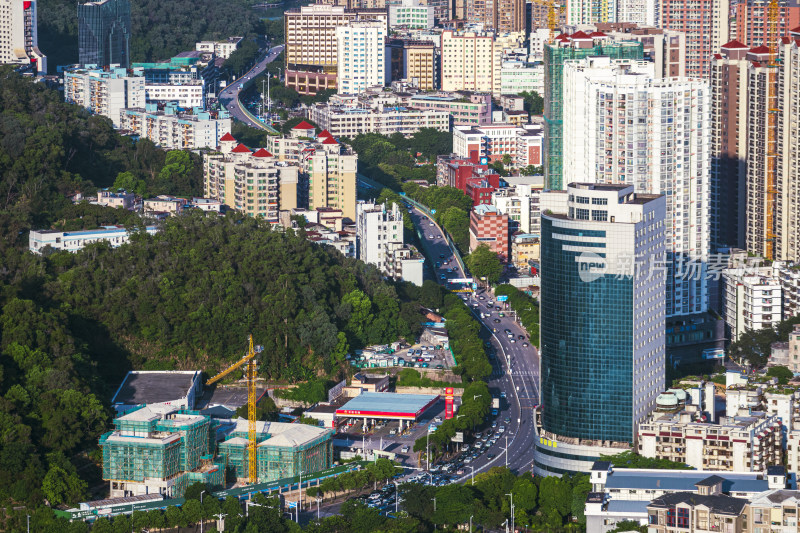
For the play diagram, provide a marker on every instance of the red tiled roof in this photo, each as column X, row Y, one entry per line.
column 597, row 34
column 227, row 137
column 324, row 133
column 562, row 36
column 759, row 50
column 734, row 44
column 241, row 149
column 786, row 40
column 261, row 152
column 579, row 35
column 717, row 56
column 329, row 140
column 303, row 126
column 796, row 30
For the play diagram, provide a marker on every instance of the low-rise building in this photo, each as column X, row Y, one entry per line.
column 104, row 92
column 489, row 226
column 468, row 109
column 222, row 49
column 706, row 510
column 525, row 251
column 165, row 204
column 343, row 121
column 172, row 129
column 122, row 199
column 741, row 443
column 520, row 76
column 73, row 241
column 187, row 95
column 522, row 144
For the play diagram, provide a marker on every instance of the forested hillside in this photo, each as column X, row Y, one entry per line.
column 159, row 29
column 49, row 149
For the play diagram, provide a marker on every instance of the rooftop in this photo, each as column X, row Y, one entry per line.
column 144, row 387
column 717, row 503
column 389, row 403
column 682, row 480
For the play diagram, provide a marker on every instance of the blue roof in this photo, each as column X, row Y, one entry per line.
column 389, row 402
column 628, row 506
column 682, row 480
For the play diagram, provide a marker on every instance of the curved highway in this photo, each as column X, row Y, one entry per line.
column 516, row 367
column 229, row 97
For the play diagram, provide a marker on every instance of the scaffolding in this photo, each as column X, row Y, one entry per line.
column 278, row 462
column 555, row 55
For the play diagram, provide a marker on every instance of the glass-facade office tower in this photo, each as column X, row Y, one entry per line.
column 602, row 316
column 104, row 33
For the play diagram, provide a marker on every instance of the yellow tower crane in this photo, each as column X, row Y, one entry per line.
column 554, row 8
column 773, row 15
column 250, row 374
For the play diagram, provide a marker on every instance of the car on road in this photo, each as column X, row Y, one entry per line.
column 431, row 237
column 502, row 315
column 404, row 449
column 507, row 419
column 442, row 276
column 521, row 337
column 441, row 256
column 481, row 297
column 494, row 424
column 430, row 223
column 512, row 340
column 502, row 394
column 525, row 344
column 496, row 320
column 490, row 456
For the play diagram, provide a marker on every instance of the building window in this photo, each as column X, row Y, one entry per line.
column 582, row 214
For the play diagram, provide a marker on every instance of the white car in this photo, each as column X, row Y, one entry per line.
column 430, row 223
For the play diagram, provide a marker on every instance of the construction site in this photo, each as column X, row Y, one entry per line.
column 161, row 447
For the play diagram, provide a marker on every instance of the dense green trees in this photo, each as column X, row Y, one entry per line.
column 753, row 346
column 452, row 208
column 631, row 459
column 534, row 104
column 159, row 30
column 483, row 263
column 547, row 503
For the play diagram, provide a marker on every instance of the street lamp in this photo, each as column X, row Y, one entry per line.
column 29, row 523
column 201, row 511
column 511, row 495
column 472, row 473
column 318, row 500
column 470, row 523
column 506, row 451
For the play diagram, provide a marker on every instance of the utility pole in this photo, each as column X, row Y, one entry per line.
column 506, row 451
column 472, row 474
column 511, row 495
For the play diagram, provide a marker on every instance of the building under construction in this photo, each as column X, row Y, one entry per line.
column 283, row 450
column 162, row 450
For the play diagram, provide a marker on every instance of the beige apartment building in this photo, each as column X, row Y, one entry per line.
column 330, row 169
column 311, row 47
column 413, row 61
column 472, row 61
column 254, row 183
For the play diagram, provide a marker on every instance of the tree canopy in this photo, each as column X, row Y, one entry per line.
column 484, row 263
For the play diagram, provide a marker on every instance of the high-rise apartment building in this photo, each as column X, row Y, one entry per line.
column 472, row 61
column 602, row 321
column 788, row 149
column 706, row 25
column 751, row 300
column 653, row 134
column 104, row 92
column 750, row 25
column 104, row 33
column 19, row 43
column 509, row 16
column 329, row 169
column 361, row 56
column 729, row 89
column 566, row 47
column 380, row 242
column 254, row 183
column 413, row 61
column 665, row 48
column 591, row 11
column 311, row 44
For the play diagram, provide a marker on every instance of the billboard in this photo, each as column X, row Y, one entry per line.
column 458, row 437
column 448, row 403
column 502, row 298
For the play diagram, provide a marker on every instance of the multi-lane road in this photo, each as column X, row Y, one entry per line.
column 516, row 367
column 229, row 97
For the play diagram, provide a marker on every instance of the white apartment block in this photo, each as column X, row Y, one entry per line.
column 473, row 61
column 222, row 49
column 591, row 11
column 342, row 121
column 788, row 151
column 653, row 134
column 361, row 56
column 19, row 41
column 104, row 93
column 751, row 300
column 185, row 95
column 411, row 14
column 172, row 130
column 517, row 76
column 122, row 199
column 521, row 203
column 73, row 241
column 789, row 278
column 738, row 443
column 379, row 242
column 493, row 141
